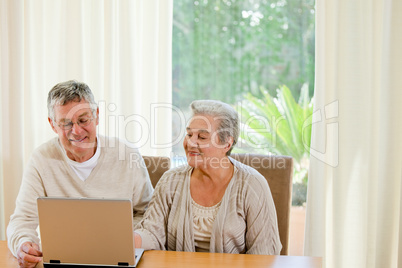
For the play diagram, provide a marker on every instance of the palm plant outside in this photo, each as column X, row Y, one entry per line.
column 279, row 125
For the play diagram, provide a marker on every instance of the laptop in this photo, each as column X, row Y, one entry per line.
column 87, row 232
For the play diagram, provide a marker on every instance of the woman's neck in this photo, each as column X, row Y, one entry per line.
column 208, row 186
column 216, row 173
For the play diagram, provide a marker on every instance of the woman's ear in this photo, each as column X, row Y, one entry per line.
column 229, row 143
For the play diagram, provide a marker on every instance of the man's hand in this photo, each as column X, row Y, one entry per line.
column 29, row 255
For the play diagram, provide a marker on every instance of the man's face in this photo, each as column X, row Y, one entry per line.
column 79, row 141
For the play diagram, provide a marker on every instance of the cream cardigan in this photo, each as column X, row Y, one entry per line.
column 246, row 221
column 119, row 173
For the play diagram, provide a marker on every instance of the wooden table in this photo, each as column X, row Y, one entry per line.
column 159, row 259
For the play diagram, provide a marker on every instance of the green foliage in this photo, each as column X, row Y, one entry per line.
column 278, row 125
column 223, row 48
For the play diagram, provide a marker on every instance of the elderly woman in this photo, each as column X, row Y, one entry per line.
column 215, row 203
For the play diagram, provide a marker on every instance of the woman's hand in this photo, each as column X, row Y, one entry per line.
column 137, row 240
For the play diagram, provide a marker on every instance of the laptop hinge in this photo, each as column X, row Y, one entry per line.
column 122, row 263
column 54, row 261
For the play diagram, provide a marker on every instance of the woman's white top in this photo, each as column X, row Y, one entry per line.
column 203, row 220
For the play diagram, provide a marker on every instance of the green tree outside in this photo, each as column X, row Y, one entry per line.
column 225, row 48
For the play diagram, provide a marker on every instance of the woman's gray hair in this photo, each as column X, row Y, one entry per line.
column 226, row 114
column 69, row 91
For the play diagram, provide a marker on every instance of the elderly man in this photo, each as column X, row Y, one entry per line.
column 77, row 163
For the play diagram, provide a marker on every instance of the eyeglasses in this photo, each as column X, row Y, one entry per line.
column 82, row 122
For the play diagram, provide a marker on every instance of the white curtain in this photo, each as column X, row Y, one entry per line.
column 354, row 193
column 121, row 49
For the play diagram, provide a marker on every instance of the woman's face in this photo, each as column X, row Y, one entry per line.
column 201, row 144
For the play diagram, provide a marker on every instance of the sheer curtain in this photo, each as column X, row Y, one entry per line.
column 354, row 193
column 121, row 49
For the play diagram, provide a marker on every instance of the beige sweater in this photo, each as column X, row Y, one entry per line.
column 246, row 221
column 120, row 173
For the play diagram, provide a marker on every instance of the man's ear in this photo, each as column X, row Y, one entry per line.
column 51, row 124
column 97, row 116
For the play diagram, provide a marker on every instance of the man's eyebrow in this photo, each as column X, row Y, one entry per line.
column 84, row 114
column 81, row 115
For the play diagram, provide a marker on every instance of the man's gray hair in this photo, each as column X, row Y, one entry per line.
column 226, row 114
column 69, row 91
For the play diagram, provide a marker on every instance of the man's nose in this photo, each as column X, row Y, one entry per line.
column 76, row 129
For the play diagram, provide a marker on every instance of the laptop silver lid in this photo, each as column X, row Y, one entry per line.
column 86, row 231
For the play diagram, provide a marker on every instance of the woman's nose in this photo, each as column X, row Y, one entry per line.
column 192, row 141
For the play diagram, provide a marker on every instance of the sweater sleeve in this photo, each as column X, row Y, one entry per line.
column 142, row 192
column 262, row 235
column 24, row 222
column 153, row 227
